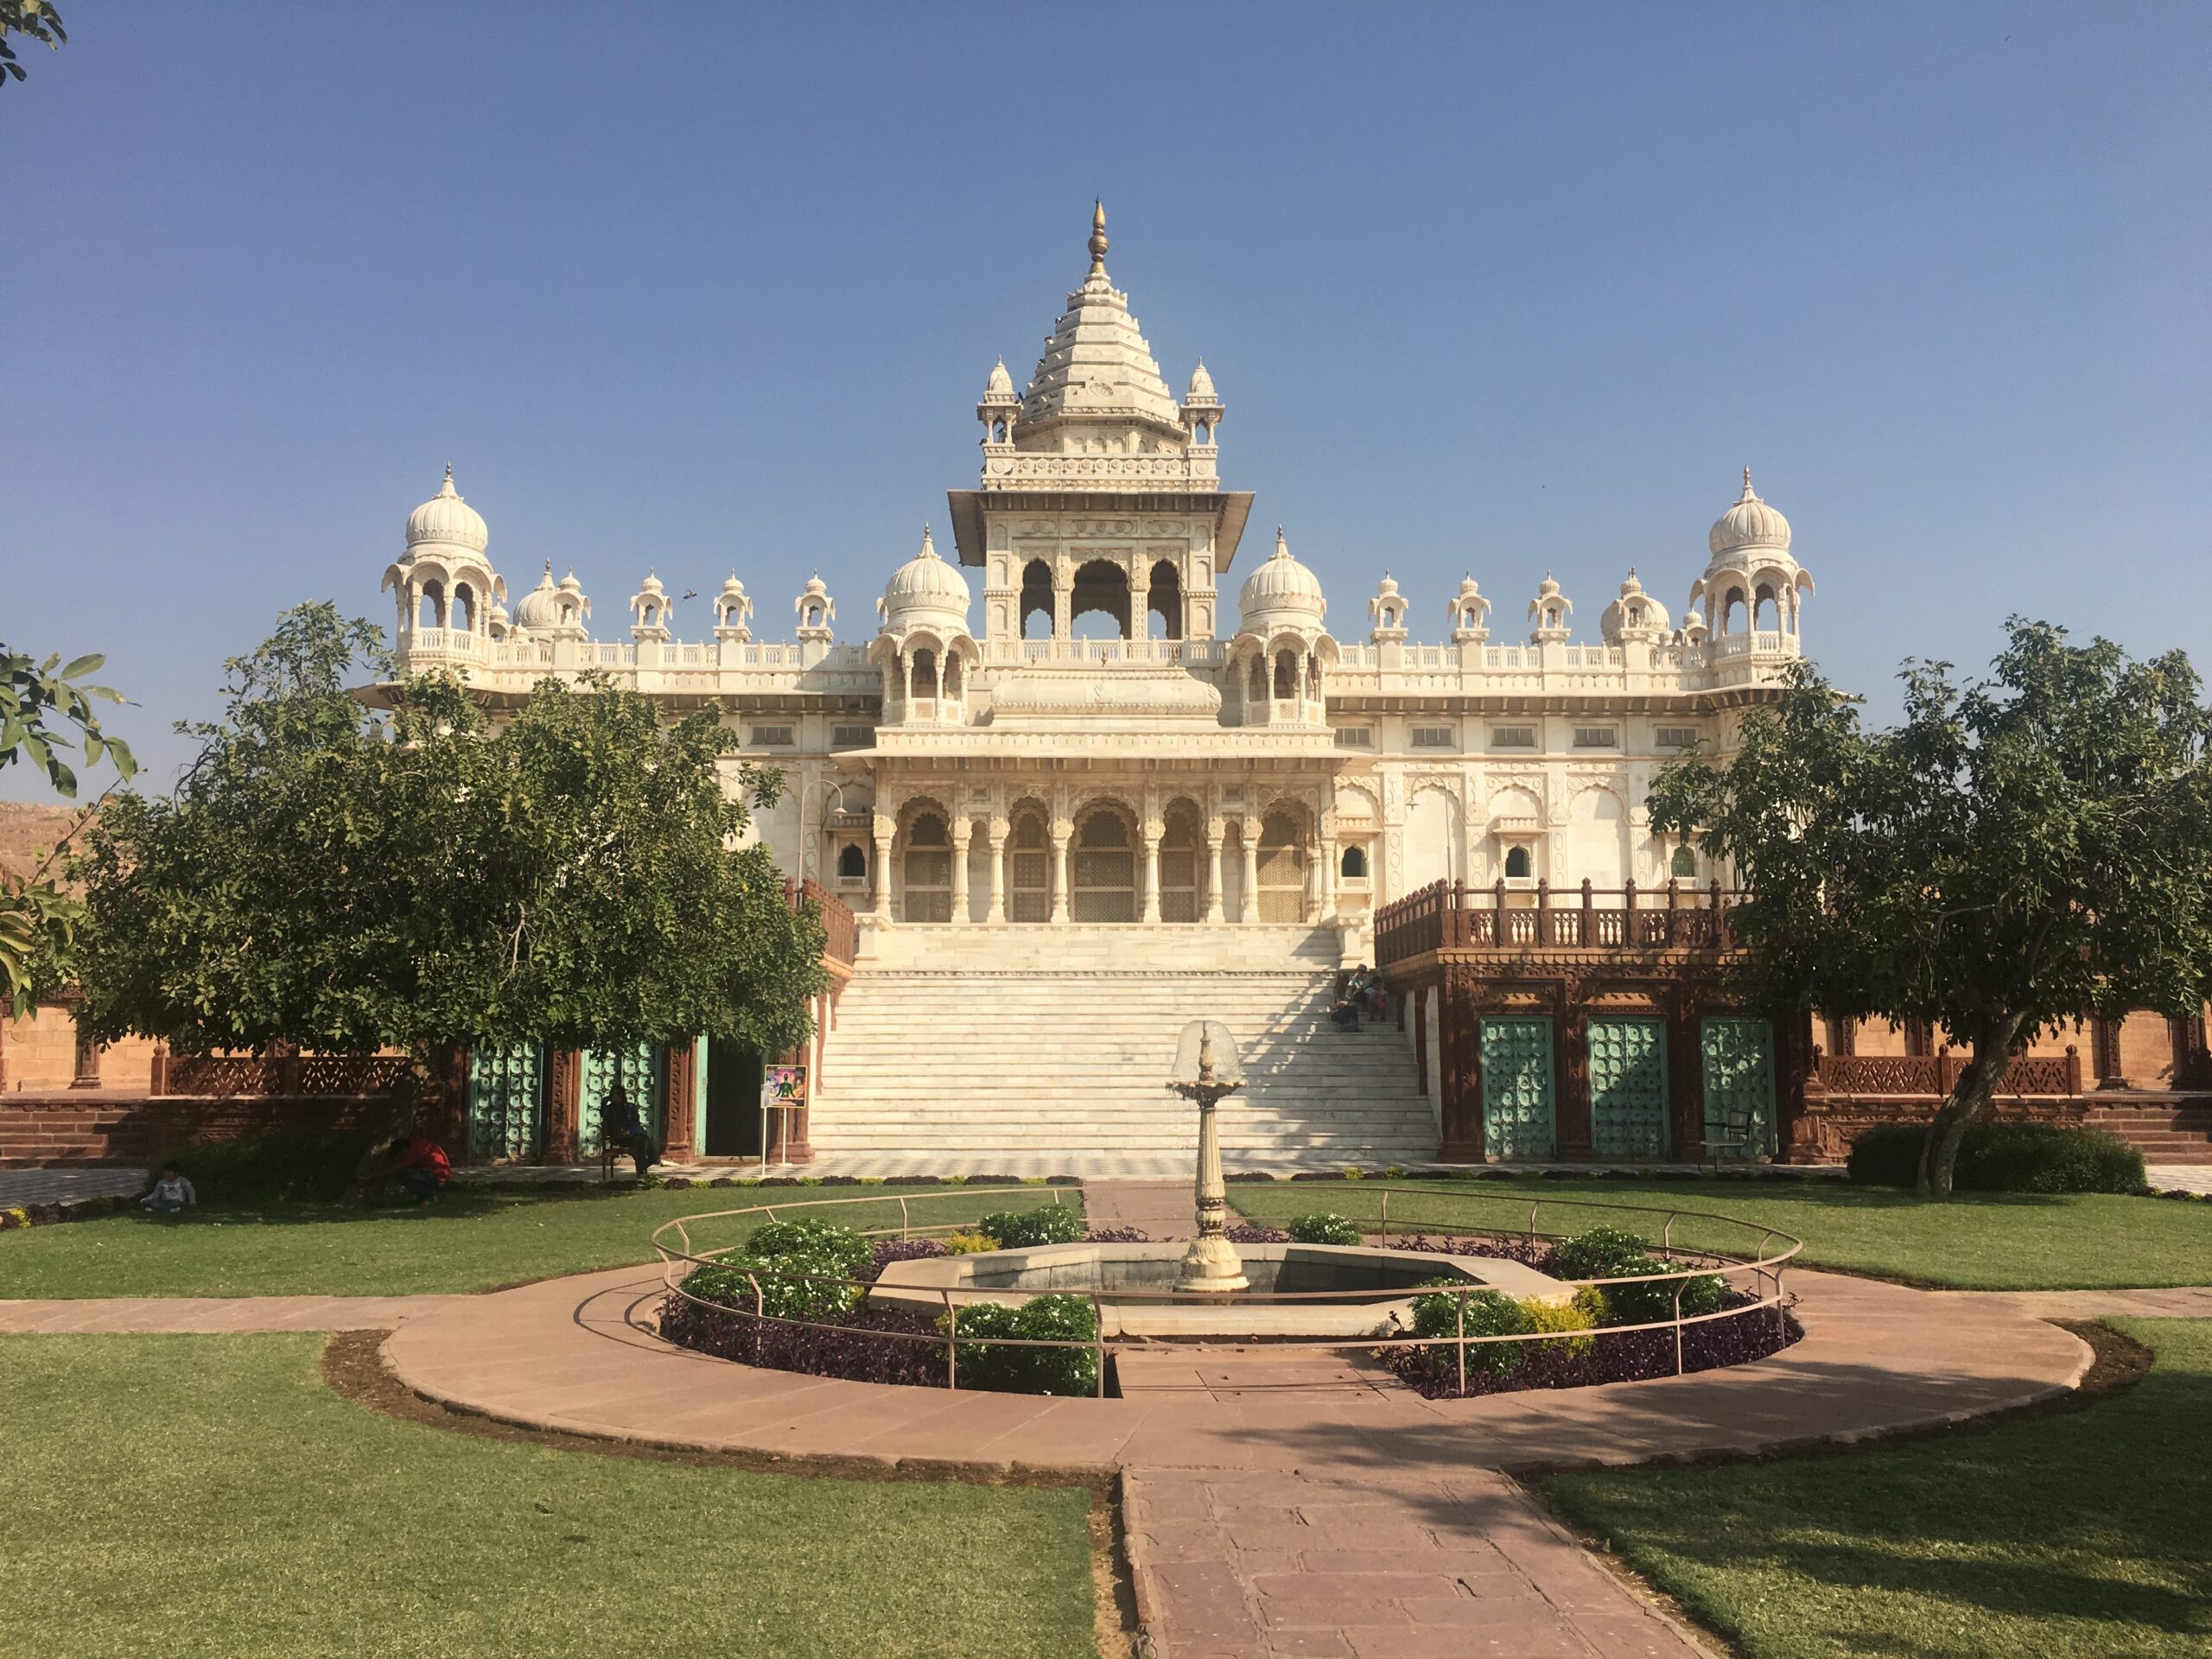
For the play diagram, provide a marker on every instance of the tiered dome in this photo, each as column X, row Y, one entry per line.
column 925, row 591
column 445, row 520
column 1749, row 524
column 1096, row 365
column 1281, row 592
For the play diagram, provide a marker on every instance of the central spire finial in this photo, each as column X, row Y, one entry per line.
column 1097, row 238
column 1747, row 495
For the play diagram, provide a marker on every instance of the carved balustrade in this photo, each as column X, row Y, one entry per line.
column 1932, row 1077
column 1452, row 916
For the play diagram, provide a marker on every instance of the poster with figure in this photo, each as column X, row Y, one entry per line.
column 783, row 1089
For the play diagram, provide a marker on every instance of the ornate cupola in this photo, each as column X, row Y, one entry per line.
column 1635, row 615
column 443, row 586
column 649, row 611
column 925, row 592
column 574, row 607
column 1202, row 410
column 816, row 610
column 1387, row 610
column 733, row 612
column 1281, row 593
column 999, row 408
column 1752, row 584
column 1470, row 613
column 1548, row 611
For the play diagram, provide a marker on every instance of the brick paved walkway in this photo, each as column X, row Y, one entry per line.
column 1159, row 1209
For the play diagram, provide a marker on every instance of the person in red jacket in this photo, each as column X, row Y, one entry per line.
column 421, row 1166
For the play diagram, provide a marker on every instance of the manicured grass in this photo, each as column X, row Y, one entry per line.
column 208, row 1496
column 2079, row 1535
column 473, row 1239
column 1978, row 1240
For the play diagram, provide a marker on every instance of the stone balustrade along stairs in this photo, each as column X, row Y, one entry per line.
column 960, row 1042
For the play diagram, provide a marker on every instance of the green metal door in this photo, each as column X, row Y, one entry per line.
column 506, row 1104
column 1517, row 1121
column 1628, row 1087
column 1739, row 1056
column 640, row 1071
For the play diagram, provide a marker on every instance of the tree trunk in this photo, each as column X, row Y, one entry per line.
column 1969, row 1098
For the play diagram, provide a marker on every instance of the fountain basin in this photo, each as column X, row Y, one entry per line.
column 1121, row 1274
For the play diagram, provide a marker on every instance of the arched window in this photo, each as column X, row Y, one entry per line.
column 1037, row 600
column 951, row 676
column 852, row 862
column 1518, row 864
column 1103, row 879
column 1205, row 432
column 1101, row 589
column 1165, row 599
column 1257, row 692
column 1029, row 869
column 928, row 870
column 1281, row 869
column 1684, row 864
column 924, row 673
column 1182, row 863
column 998, row 431
column 1766, row 611
column 1353, row 864
column 432, row 611
column 464, row 608
column 1287, row 674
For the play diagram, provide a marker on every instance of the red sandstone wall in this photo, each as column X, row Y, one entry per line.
column 87, row 1128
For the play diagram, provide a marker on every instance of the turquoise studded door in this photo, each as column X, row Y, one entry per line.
column 1628, row 1087
column 1517, row 1118
column 506, row 1104
column 1739, row 1056
column 640, row 1071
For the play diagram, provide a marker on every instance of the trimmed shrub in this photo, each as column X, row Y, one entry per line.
column 276, row 1168
column 1612, row 1253
column 1049, row 1223
column 1602, row 1252
column 969, row 1243
column 817, row 1241
column 796, row 1285
column 1490, row 1313
column 1324, row 1227
column 2003, row 1158
column 1584, row 1314
column 1066, row 1371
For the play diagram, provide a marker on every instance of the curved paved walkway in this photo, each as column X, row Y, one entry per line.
column 1350, row 1521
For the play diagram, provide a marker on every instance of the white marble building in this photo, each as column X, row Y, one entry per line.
column 991, row 766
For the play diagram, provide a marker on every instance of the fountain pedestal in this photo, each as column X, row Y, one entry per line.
column 1211, row 1266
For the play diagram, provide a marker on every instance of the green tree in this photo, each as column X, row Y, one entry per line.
column 44, row 709
column 36, row 20
column 341, row 878
column 2016, row 854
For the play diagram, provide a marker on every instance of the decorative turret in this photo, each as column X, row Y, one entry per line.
column 442, row 581
column 1752, row 584
column 649, row 610
column 1000, row 406
column 1097, row 373
column 1548, row 611
column 1635, row 615
column 1387, row 610
column 925, row 592
column 1202, row 410
column 1281, row 593
column 1470, row 613
column 816, row 610
column 733, row 612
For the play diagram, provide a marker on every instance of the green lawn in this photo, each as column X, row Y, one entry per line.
column 208, row 1496
column 2079, row 1535
column 1981, row 1240
column 473, row 1239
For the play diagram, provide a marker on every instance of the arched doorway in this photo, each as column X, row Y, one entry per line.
column 1182, row 862
column 1028, row 867
column 928, row 869
column 1165, row 599
column 1282, row 869
column 1102, row 884
column 1100, row 589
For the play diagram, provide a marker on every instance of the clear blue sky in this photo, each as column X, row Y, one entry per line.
column 1505, row 289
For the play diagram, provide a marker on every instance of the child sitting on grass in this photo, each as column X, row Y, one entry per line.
column 171, row 1194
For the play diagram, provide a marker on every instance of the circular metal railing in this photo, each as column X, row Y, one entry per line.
column 1762, row 1269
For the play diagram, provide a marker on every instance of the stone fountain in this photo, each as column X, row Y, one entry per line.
column 1207, row 1069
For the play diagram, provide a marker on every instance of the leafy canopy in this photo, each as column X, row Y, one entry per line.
column 2019, row 852
column 36, row 20
column 345, row 878
column 44, row 709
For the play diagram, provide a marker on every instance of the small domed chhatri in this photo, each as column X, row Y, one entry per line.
column 1281, row 591
column 1751, row 522
column 445, row 520
column 925, row 589
column 539, row 610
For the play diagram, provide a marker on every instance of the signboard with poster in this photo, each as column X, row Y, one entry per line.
column 783, row 1091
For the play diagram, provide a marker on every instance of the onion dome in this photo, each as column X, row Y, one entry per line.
column 539, row 610
column 445, row 520
column 1635, row 613
column 1751, row 522
column 1202, row 385
column 1281, row 593
column 1693, row 628
column 925, row 591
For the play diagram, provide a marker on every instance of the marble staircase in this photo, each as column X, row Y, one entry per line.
column 958, row 1043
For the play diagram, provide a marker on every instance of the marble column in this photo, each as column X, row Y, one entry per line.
column 1060, row 837
column 882, row 871
column 996, row 832
column 1251, row 842
column 962, row 830
column 1328, row 877
column 1213, row 878
column 1151, row 873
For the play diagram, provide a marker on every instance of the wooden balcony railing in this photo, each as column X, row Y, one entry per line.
column 842, row 939
column 1452, row 916
column 1932, row 1077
